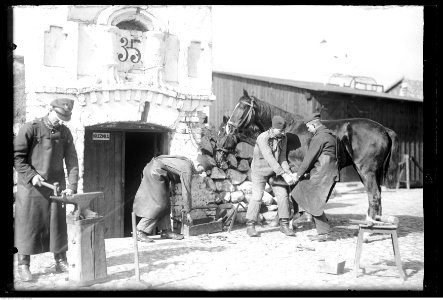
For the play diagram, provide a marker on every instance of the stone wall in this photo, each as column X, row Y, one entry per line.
column 225, row 182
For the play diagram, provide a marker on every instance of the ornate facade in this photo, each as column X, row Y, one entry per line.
column 142, row 65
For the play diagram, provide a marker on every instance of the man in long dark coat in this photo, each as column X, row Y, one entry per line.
column 152, row 200
column 320, row 162
column 40, row 148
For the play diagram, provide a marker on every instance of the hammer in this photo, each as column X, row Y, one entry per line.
column 55, row 187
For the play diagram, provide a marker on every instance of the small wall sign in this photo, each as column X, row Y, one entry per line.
column 100, row 136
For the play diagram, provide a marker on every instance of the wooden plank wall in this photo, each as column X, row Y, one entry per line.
column 228, row 89
column 404, row 117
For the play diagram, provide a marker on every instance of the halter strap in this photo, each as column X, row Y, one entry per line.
column 248, row 115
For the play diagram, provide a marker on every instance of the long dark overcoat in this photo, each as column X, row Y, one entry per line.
column 312, row 192
column 39, row 224
column 152, row 199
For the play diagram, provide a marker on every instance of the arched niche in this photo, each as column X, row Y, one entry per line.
column 116, row 14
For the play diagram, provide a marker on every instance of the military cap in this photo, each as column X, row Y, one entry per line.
column 63, row 108
column 278, row 122
column 312, row 117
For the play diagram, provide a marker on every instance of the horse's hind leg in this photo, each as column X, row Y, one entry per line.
column 373, row 190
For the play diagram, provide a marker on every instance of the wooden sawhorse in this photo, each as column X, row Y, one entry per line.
column 233, row 215
column 386, row 229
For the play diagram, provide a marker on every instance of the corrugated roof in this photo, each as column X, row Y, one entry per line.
column 320, row 87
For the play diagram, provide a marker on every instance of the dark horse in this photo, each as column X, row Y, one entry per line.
column 369, row 147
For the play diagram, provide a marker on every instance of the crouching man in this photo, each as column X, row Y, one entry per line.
column 269, row 159
column 152, row 201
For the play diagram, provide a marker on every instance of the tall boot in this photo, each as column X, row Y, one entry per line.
column 284, row 227
column 275, row 221
column 250, row 228
column 23, row 267
column 61, row 262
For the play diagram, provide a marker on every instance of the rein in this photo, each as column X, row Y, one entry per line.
column 248, row 115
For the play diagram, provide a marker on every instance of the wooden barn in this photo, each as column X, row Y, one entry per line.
column 403, row 114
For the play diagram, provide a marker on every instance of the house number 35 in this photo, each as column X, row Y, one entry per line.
column 124, row 57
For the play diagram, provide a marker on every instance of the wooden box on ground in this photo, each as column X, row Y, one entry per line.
column 86, row 251
column 332, row 266
column 202, row 226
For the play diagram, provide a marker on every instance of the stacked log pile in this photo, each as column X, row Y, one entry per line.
column 225, row 181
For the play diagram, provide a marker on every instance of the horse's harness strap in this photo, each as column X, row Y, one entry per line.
column 248, row 116
column 231, row 123
column 250, row 111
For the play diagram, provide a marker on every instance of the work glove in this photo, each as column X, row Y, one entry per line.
column 295, row 176
column 37, row 180
column 288, row 178
column 68, row 192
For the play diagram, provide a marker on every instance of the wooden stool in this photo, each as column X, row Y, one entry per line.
column 386, row 229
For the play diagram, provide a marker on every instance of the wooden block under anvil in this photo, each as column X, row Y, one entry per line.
column 86, row 243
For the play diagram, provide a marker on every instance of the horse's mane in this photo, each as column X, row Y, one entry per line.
column 267, row 111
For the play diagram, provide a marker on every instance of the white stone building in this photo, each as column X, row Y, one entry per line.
column 140, row 77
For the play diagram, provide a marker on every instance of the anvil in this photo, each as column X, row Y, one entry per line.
column 81, row 201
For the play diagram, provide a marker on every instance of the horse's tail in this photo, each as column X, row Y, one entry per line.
column 391, row 164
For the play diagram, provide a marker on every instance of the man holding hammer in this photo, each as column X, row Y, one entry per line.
column 40, row 149
column 320, row 162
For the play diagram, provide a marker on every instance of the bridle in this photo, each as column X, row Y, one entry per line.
column 248, row 116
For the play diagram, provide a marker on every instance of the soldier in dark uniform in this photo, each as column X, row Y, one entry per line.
column 320, row 162
column 40, row 148
column 269, row 160
column 152, row 201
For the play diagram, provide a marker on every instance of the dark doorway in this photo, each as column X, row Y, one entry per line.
column 115, row 155
column 140, row 148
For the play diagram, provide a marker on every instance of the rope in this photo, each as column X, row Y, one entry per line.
column 416, row 163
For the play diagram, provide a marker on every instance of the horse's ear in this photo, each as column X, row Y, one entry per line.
column 225, row 119
column 245, row 93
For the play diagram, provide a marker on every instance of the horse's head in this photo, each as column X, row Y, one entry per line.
column 243, row 113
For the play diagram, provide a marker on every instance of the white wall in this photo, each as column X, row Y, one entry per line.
column 85, row 52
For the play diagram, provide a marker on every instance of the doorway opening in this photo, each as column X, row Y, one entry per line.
column 140, row 148
column 115, row 155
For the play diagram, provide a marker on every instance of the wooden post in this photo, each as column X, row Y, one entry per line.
column 396, row 250
column 358, row 253
column 86, row 251
column 408, row 185
column 134, row 238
